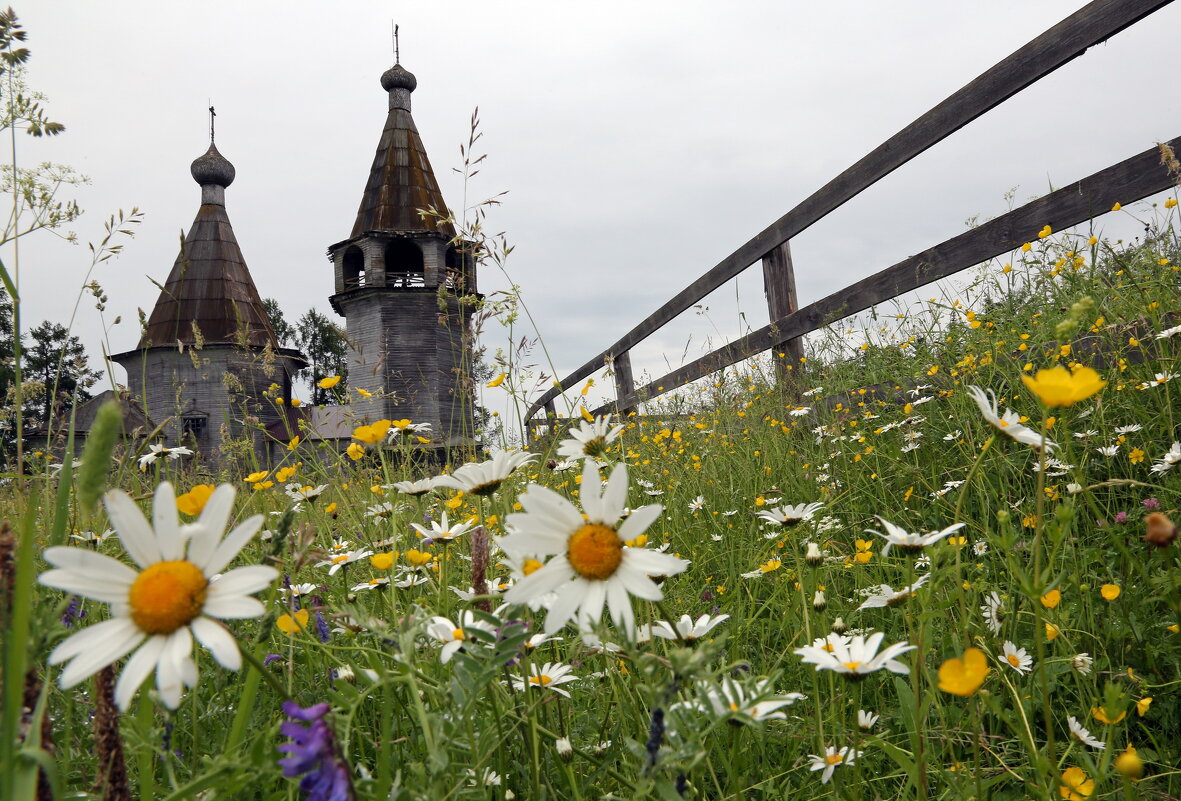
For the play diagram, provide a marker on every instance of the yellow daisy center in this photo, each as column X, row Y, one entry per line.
column 852, row 666
column 595, row 551
column 530, row 566
column 167, row 595
column 834, row 759
column 457, row 634
column 1013, row 660
column 540, row 680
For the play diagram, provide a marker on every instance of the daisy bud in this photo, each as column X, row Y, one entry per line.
column 838, row 626
column 1082, row 663
column 564, row 749
column 813, row 557
column 1159, row 530
column 818, row 601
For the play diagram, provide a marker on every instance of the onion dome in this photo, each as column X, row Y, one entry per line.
column 213, row 168
column 398, row 77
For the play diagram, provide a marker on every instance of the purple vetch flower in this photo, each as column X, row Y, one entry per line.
column 322, row 630
column 270, row 659
column 1150, row 504
column 312, row 753
column 1121, row 517
column 74, row 612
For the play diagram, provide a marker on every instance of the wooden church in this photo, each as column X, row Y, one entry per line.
column 208, row 365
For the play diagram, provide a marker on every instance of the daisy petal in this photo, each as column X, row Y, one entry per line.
column 137, row 536
column 219, row 641
column 232, row 607
column 210, row 526
column 137, row 669
column 122, row 640
column 164, row 520
column 229, row 547
column 243, row 581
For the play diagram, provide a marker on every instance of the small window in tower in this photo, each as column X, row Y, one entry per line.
column 354, row 268
column 403, row 263
column 193, row 426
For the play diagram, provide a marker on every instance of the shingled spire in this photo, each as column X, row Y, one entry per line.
column 401, row 180
column 210, row 288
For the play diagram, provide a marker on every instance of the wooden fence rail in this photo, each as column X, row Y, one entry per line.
column 1129, row 180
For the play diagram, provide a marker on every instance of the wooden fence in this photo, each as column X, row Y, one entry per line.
column 1129, row 180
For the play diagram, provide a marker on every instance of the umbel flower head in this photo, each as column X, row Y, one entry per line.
column 171, row 599
column 1009, row 423
column 591, row 565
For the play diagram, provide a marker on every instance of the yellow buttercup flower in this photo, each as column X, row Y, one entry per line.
column 292, row 624
column 494, row 383
column 1100, row 714
column 254, row 478
column 329, row 382
column 1051, row 599
column 1075, row 785
column 1060, row 387
column 1142, row 706
column 1129, row 764
column 418, row 558
column 193, row 501
column 368, row 434
column 364, row 393
column 383, row 561
column 963, row 676
column 1110, row 591
column 285, row 473
column 355, row 451
column 1052, row 632
column 293, row 444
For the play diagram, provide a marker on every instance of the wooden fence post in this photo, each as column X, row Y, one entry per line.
column 779, row 283
column 624, row 384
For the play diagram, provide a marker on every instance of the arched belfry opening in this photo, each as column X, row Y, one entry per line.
column 354, row 267
column 409, row 319
column 403, row 262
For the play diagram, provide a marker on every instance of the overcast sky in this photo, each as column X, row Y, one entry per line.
column 639, row 143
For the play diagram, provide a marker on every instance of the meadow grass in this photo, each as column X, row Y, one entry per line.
column 1049, row 579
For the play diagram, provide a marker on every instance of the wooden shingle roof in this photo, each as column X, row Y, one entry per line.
column 401, row 180
column 209, row 287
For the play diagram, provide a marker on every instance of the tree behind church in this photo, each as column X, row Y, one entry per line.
column 324, row 344
column 57, row 361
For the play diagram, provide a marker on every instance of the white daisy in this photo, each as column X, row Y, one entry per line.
column 299, row 493
column 800, row 411
column 159, row 451
column 454, row 636
column 755, row 702
column 546, row 677
column 855, row 657
column 591, row 565
column 688, row 629
column 484, row 478
column 1082, row 735
column 832, row 757
column 170, row 600
column 866, row 720
column 442, row 531
column 338, row 561
column 420, row 487
column 1017, row 658
column 1166, row 462
column 697, row 504
column 888, row 596
column 372, row 584
column 1009, row 423
column 980, row 547
column 788, row 515
column 896, row 535
column 993, row 612
column 1168, row 332
column 1129, row 429
column 1082, row 663
column 589, row 440
column 1108, row 450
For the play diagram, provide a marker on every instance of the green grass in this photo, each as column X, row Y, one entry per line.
column 640, row 719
